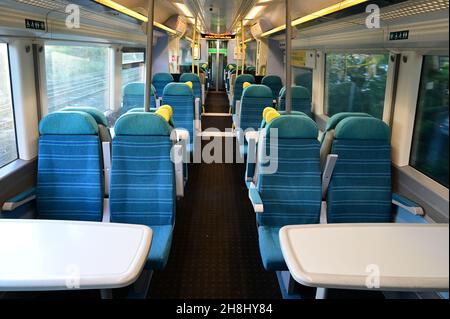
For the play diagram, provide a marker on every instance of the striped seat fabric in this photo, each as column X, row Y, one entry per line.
column 160, row 81
column 301, row 100
column 360, row 190
column 69, row 178
column 328, row 136
column 254, row 99
column 133, row 96
column 197, row 88
column 293, row 194
column 180, row 97
column 142, row 180
column 275, row 83
column 238, row 88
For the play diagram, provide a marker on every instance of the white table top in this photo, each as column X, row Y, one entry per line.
column 407, row 257
column 61, row 255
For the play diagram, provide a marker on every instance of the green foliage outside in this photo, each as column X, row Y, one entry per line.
column 430, row 143
column 356, row 83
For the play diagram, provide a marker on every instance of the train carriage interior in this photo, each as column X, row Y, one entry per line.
column 212, row 149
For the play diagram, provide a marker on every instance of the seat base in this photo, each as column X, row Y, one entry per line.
column 270, row 250
column 160, row 247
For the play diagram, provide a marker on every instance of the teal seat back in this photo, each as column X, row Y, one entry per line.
column 69, row 177
column 293, row 194
column 274, row 82
column 133, row 96
column 196, row 86
column 160, row 80
column 360, row 190
column 238, row 88
column 254, row 100
column 301, row 100
column 142, row 173
column 181, row 98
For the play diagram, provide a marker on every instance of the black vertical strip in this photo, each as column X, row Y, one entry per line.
column 37, row 79
column 394, row 89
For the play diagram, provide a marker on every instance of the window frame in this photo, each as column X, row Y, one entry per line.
column 43, row 74
column 416, row 111
column 17, row 157
column 390, row 77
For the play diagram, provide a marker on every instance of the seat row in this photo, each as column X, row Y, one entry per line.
column 353, row 182
column 133, row 93
column 186, row 108
column 72, row 175
column 254, row 98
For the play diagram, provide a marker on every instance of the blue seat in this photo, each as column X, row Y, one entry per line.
column 160, row 81
column 238, row 88
column 292, row 193
column 361, row 186
column 301, row 100
column 254, row 99
column 275, row 83
column 181, row 98
column 197, row 87
column 133, row 96
column 328, row 135
column 142, row 180
column 69, row 178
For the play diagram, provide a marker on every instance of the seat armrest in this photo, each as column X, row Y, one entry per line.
column 180, row 135
column 328, row 173
column 237, row 123
column 158, row 102
column 252, row 138
column 256, row 200
column 203, row 94
column 407, row 204
column 19, row 200
column 178, row 160
column 106, row 151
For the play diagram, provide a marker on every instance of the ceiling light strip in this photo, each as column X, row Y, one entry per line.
column 318, row 14
column 122, row 9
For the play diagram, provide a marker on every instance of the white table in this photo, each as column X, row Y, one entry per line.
column 390, row 257
column 39, row 255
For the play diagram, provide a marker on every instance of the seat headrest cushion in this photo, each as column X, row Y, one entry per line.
column 245, row 78
column 335, row 119
column 298, row 92
column 362, row 128
column 294, row 126
column 178, row 89
column 68, row 123
column 259, row 91
column 185, row 77
column 98, row 116
column 166, row 77
column 142, row 124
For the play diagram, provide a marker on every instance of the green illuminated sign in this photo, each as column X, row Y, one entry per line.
column 221, row 51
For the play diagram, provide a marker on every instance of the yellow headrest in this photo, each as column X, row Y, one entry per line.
column 205, row 65
column 165, row 112
column 246, row 85
column 271, row 115
column 230, row 67
column 190, row 84
column 168, row 107
column 267, row 110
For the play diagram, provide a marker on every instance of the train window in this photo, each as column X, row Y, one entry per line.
column 8, row 146
column 356, row 83
column 429, row 152
column 77, row 76
column 133, row 67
